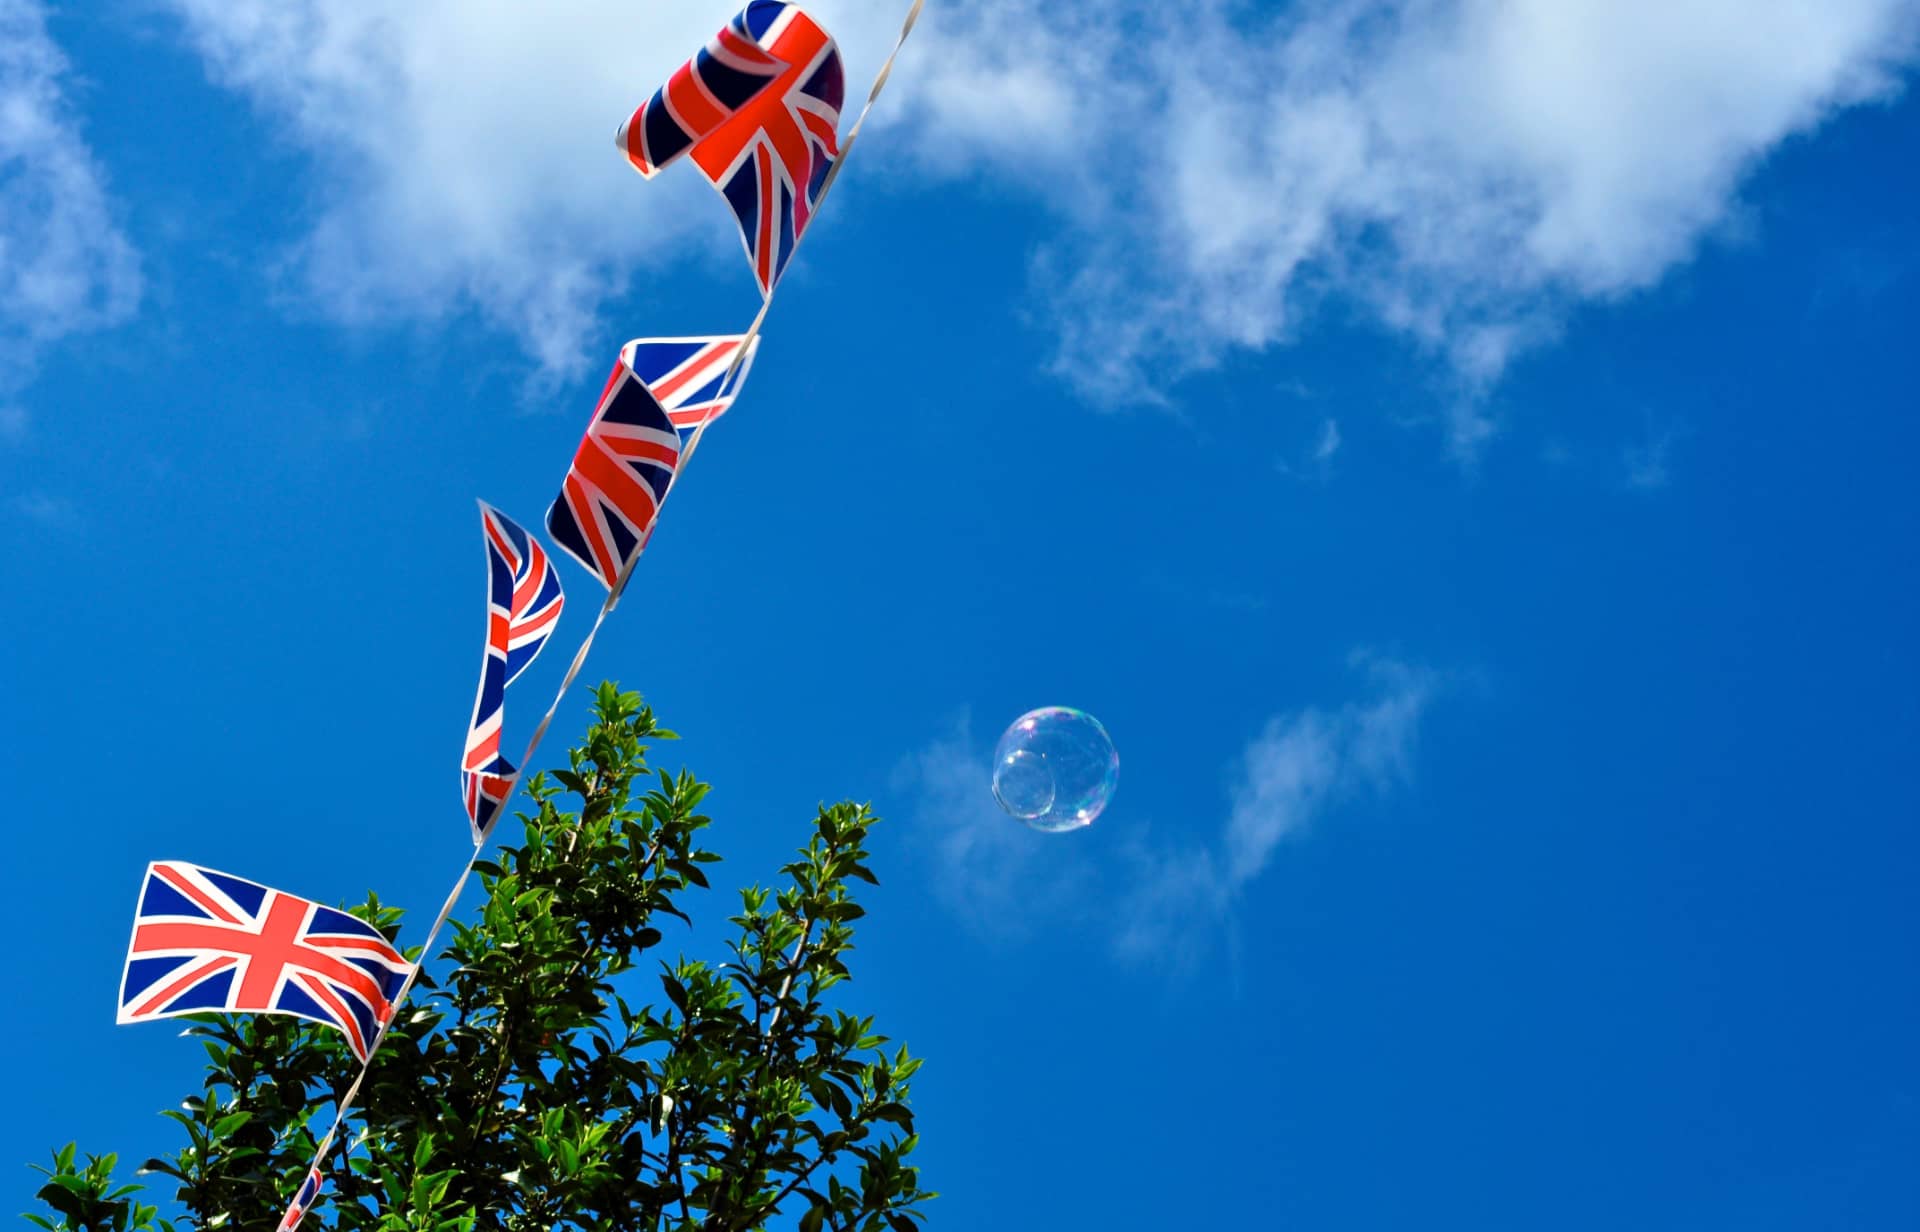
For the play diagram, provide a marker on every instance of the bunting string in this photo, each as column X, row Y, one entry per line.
column 346, row 1102
column 826, row 186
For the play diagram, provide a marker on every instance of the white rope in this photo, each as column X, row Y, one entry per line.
column 345, row 1103
column 826, row 186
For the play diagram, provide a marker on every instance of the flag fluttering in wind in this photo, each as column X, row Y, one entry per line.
column 207, row 942
column 694, row 380
column 523, row 606
column 759, row 110
column 620, row 474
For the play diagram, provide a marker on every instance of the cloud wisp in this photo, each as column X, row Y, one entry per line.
column 1301, row 766
column 46, row 511
column 987, row 870
column 1162, row 900
column 1648, row 465
column 65, row 266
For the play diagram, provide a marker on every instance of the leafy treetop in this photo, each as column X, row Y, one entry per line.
column 520, row 1090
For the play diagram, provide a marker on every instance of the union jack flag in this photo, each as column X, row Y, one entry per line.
column 759, row 108
column 302, row 1202
column 688, row 376
column 207, row 942
column 523, row 606
column 620, row 474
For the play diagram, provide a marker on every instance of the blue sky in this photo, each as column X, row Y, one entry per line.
column 1463, row 452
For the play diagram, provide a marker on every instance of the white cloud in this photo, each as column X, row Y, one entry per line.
column 463, row 152
column 65, row 267
column 1461, row 170
column 1156, row 898
column 1303, row 761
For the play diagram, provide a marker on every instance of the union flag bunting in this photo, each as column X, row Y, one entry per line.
column 302, row 1202
column 207, row 942
column 523, row 606
column 619, row 477
column 758, row 109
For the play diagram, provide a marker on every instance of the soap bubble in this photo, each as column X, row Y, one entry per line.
column 1055, row 769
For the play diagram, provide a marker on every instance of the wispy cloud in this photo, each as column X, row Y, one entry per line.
column 1329, row 443
column 1317, row 463
column 1463, row 171
column 1648, row 464
column 1302, row 765
column 65, row 266
column 51, row 512
column 1159, row 899
column 1305, row 760
column 987, row 870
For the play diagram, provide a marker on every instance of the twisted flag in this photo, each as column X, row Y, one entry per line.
column 523, row 606
column 302, row 1202
column 759, row 109
column 211, row 942
column 620, row 474
column 694, row 380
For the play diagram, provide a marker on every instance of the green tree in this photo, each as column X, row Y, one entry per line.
column 517, row 1089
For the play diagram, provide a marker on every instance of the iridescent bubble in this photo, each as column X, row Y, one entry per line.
column 1055, row 769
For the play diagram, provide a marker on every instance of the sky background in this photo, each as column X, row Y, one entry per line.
column 1463, row 451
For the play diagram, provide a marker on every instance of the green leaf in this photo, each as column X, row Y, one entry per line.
column 226, row 1125
column 62, row 1199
